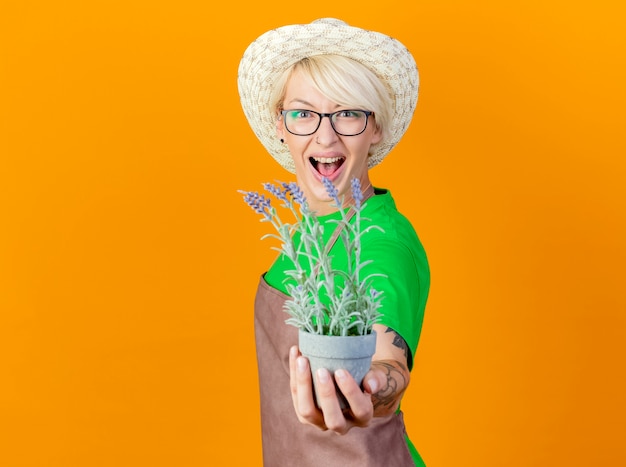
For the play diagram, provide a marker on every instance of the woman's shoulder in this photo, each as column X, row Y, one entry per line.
column 381, row 211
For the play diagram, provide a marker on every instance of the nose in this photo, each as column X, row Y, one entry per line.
column 325, row 134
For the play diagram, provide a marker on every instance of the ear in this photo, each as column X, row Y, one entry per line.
column 377, row 135
column 280, row 128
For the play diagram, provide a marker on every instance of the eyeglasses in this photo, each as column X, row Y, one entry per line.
column 306, row 122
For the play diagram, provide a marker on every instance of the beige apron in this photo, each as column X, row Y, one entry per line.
column 286, row 441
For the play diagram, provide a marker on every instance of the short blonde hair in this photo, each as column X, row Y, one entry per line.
column 344, row 81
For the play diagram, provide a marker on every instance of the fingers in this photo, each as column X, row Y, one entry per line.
column 305, row 404
column 328, row 413
column 361, row 408
column 334, row 418
column 293, row 355
column 301, row 386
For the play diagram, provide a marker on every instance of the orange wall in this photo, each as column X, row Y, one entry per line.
column 128, row 261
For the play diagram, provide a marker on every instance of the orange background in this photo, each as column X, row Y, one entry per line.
column 128, row 261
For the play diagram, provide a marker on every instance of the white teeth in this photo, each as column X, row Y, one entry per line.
column 327, row 160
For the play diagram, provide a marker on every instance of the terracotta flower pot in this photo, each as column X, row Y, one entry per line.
column 351, row 353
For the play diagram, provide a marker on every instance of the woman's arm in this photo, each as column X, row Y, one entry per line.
column 391, row 358
column 383, row 387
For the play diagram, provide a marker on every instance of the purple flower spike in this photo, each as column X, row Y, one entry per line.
column 357, row 194
column 331, row 190
column 273, row 189
column 294, row 190
column 259, row 203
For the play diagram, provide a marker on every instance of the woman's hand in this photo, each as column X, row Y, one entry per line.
column 329, row 415
column 383, row 387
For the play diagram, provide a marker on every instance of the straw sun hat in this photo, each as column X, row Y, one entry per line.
column 273, row 52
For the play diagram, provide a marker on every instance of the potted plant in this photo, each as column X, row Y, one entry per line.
column 333, row 310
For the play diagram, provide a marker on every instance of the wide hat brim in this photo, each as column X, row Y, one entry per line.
column 273, row 52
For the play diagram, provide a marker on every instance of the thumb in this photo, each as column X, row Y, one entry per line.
column 371, row 382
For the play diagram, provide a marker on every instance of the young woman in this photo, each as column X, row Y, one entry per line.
column 330, row 100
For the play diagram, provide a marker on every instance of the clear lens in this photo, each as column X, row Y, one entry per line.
column 306, row 122
column 349, row 122
column 302, row 122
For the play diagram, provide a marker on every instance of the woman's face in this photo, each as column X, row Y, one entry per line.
column 343, row 157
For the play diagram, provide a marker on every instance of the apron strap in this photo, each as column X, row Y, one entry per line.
column 368, row 193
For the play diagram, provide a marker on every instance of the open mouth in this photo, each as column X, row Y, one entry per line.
column 326, row 166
